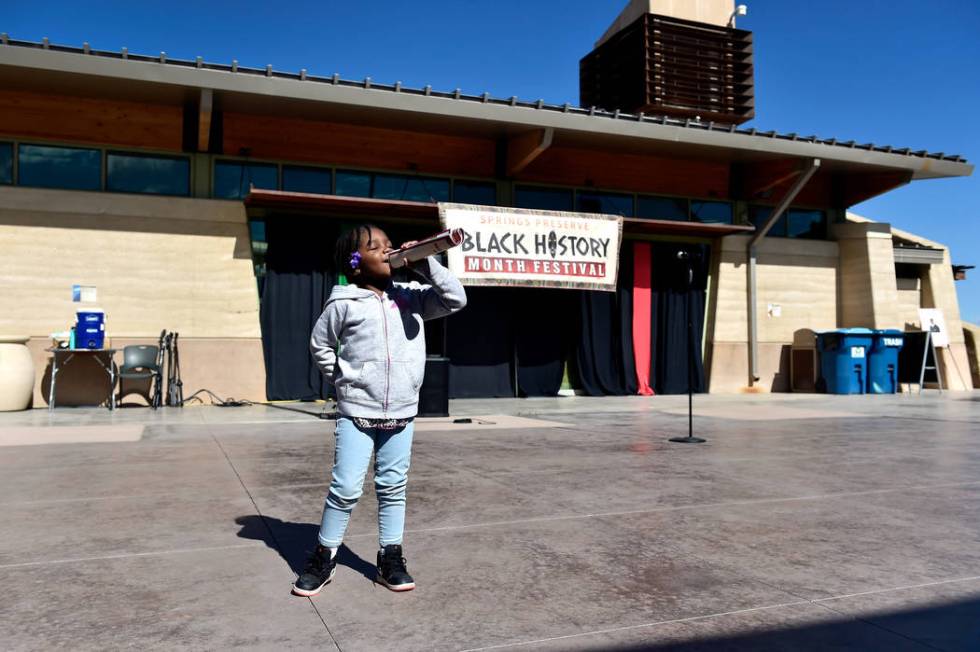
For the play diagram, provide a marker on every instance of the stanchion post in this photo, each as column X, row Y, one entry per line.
column 690, row 439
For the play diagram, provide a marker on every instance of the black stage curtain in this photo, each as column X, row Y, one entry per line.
column 480, row 343
column 298, row 281
column 531, row 328
column 604, row 357
column 669, row 333
column 545, row 327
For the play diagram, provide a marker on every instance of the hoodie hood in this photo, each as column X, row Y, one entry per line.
column 350, row 292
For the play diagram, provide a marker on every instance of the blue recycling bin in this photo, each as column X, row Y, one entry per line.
column 883, row 361
column 844, row 360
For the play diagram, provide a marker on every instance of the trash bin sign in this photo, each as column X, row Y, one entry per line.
column 844, row 360
column 883, row 361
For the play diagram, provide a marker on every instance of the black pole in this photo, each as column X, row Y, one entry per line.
column 690, row 439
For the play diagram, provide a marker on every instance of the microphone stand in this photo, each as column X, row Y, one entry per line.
column 690, row 439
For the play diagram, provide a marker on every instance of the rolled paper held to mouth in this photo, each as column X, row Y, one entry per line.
column 428, row 247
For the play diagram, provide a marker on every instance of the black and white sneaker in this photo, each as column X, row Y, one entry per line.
column 392, row 571
column 319, row 570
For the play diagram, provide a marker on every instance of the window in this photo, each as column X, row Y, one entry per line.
column 71, row 168
column 549, row 199
column 353, row 184
column 475, row 192
column 662, row 208
column 808, row 224
column 795, row 223
column 155, row 175
column 711, row 211
column 391, row 186
column 256, row 229
column 604, row 202
column 306, row 179
column 758, row 216
column 233, row 179
column 6, row 163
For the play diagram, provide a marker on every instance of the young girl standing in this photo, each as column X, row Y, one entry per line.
column 369, row 343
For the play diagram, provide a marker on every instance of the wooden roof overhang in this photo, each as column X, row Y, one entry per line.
column 264, row 203
column 532, row 141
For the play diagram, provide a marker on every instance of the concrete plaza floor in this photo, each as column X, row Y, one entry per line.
column 804, row 523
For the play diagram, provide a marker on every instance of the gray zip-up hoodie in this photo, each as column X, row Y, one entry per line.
column 372, row 348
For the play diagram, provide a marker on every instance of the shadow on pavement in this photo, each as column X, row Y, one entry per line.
column 953, row 625
column 295, row 541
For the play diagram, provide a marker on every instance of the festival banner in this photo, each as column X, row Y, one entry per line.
column 532, row 248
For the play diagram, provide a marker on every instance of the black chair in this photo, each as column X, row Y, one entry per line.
column 141, row 363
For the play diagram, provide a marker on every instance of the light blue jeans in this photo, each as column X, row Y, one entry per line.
column 392, row 455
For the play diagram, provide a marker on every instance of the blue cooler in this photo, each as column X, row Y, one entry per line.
column 90, row 329
column 844, row 360
column 883, row 361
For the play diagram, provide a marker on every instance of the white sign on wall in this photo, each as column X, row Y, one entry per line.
column 932, row 320
column 514, row 246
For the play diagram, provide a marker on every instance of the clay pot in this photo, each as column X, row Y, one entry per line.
column 16, row 374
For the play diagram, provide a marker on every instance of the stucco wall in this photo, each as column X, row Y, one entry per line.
column 939, row 291
column 868, row 288
column 799, row 279
column 158, row 263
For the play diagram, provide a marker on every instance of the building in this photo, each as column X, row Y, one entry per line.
column 130, row 173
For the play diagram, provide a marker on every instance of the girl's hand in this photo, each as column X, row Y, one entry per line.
column 411, row 264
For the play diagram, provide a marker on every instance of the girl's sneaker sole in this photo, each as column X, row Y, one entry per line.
column 309, row 593
column 395, row 587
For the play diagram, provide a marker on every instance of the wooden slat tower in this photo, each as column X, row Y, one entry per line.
column 662, row 65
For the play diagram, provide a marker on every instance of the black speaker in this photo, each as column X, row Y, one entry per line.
column 434, row 395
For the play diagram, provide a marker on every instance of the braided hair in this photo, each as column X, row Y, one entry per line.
column 349, row 242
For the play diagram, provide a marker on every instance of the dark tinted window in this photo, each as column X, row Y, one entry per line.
column 809, row 224
column 6, row 163
column 662, row 208
column 604, row 202
column 45, row 166
column 390, row 186
column 256, row 229
column 547, row 199
column 475, row 192
column 711, row 211
column 156, row 175
column 303, row 179
column 354, row 184
column 795, row 223
column 233, row 179
column 758, row 216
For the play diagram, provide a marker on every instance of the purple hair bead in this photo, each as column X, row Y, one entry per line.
column 355, row 260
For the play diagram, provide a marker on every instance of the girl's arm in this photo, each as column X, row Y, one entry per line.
column 444, row 295
column 323, row 342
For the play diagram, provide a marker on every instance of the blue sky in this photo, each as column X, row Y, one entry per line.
column 891, row 72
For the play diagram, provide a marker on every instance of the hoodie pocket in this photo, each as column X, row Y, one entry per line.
column 406, row 380
column 368, row 385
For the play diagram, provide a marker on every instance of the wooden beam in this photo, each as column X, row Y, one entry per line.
column 524, row 148
column 204, row 119
column 758, row 180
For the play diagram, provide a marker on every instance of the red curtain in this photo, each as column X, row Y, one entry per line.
column 641, row 315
